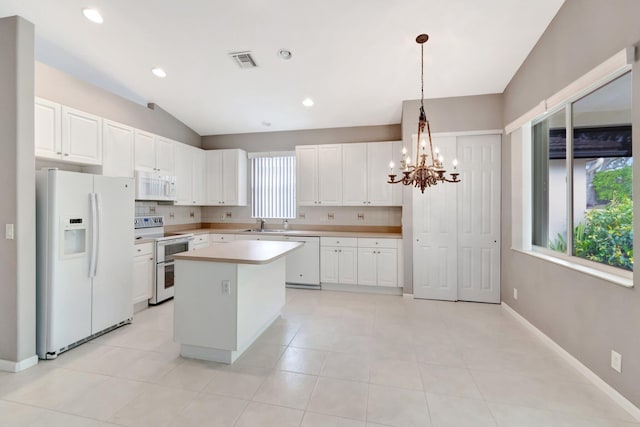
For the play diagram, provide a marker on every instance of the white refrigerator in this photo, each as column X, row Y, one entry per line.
column 84, row 257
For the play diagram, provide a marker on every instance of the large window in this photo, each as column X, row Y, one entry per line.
column 582, row 183
column 273, row 185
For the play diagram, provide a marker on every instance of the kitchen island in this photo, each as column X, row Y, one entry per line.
column 226, row 295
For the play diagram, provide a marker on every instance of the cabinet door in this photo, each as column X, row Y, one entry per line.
column 234, row 173
column 142, row 278
column 214, row 177
column 184, row 174
column 164, row 156
column 367, row 266
column 81, row 137
column 348, row 265
column 329, row 264
column 397, row 190
column 330, row 174
column 145, row 151
column 48, row 132
column 387, row 267
column 117, row 149
column 198, row 176
column 378, row 157
column 307, row 175
column 354, row 174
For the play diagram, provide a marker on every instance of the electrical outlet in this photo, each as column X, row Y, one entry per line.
column 226, row 287
column 227, row 214
column 172, row 215
column 616, row 361
column 515, row 293
column 361, row 216
column 331, row 215
column 302, row 215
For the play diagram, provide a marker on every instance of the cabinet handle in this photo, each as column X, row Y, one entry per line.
column 364, row 203
column 335, row 250
column 139, row 250
column 66, row 154
column 59, row 152
column 368, row 203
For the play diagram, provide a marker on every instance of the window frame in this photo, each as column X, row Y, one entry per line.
column 613, row 274
column 272, row 154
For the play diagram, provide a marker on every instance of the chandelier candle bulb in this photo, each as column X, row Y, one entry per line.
column 455, row 164
column 391, row 165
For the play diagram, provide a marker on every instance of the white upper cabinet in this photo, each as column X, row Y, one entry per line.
column 347, row 174
column 145, row 151
column 117, row 149
column 66, row 134
column 319, row 175
column 365, row 171
column 154, row 153
column 226, row 182
column 81, row 137
column 330, row 174
column 379, row 154
column 189, row 171
column 164, row 155
column 48, row 129
column 307, row 175
column 354, row 174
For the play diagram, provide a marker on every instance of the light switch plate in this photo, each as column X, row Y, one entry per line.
column 616, row 361
column 8, row 233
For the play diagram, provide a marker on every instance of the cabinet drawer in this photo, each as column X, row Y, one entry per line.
column 221, row 238
column 339, row 241
column 377, row 243
column 200, row 239
column 143, row 249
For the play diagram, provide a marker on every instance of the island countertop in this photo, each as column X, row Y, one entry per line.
column 241, row 252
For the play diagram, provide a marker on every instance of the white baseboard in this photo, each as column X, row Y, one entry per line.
column 588, row 373
column 9, row 366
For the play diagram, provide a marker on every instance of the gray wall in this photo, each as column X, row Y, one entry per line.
column 66, row 89
column 459, row 114
column 588, row 317
column 17, row 257
column 287, row 140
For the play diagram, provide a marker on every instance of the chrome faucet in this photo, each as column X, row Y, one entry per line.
column 262, row 224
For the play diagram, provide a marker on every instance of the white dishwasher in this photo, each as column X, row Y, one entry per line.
column 303, row 265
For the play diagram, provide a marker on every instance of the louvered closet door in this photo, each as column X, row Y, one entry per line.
column 435, row 235
column 479, row 218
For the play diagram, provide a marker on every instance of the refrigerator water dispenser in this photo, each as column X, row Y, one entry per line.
column 75, row 236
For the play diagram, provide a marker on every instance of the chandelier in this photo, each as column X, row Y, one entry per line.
column 423, row 175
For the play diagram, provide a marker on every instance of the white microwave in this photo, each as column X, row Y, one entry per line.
column 154, row 186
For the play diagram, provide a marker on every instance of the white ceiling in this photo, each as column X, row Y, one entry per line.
column 357, row 59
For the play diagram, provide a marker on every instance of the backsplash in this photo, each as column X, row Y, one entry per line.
column 325, row 215
column 173, row 215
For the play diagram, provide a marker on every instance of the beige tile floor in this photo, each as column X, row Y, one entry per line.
column 331, row 360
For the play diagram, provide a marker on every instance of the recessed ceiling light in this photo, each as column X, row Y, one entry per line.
column 285, row 53
column 159, row 72
column 93, row 15
column 307, row 102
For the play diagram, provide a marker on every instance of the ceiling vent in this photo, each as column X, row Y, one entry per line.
column 243, row 59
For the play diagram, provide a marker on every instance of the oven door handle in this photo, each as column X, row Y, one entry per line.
column 175, row 241
column 166, row 263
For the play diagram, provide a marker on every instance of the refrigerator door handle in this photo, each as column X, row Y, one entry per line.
column 94, row 237
column 98, row 228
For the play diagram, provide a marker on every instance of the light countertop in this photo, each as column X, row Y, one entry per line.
column 242, row 252
column 301, row 233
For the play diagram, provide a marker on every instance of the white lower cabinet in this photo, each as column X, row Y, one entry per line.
column 143, row 268
column 338, row 260
column 200, row 241
column 221, row 238
column 378, row 262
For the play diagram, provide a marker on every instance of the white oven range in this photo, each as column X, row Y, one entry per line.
column 152, row 227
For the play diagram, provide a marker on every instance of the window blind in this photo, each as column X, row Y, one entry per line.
column 273, row 185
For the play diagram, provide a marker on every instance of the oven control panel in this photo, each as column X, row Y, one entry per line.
column 148, row 221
